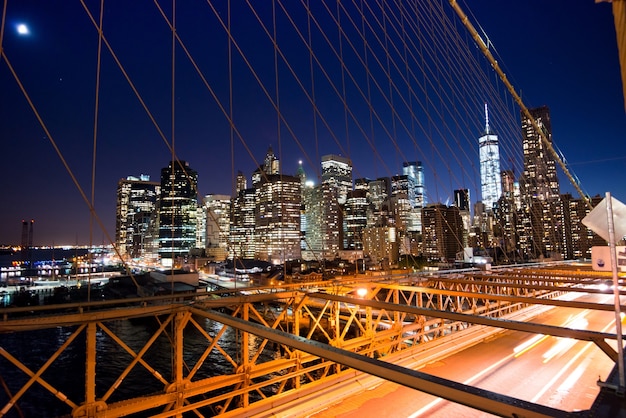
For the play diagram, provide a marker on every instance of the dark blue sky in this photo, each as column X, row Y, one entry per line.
column 413, row 103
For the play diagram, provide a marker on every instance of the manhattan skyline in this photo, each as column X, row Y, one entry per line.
column 550, row 62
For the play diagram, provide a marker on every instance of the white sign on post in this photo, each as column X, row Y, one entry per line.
column 608, row 227
column 597, row 220
column 601, row 258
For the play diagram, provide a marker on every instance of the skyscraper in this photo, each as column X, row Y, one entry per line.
column 337, row 172
column 539, row 179
column 135, row 223
column 541, row 222
column 443, row 232
column 242, row 225
column 580, row 239
column 323, row 218
column 490, row 184
column 462, row 201
column 177, row 211
column 217, row 209
column 241, row 182
column 414, row 170
column 417, row 192
column 304, row 186
column 271, row 165
column 355, row 219
column 277, row 225
column 401, row 204
column 403, row 214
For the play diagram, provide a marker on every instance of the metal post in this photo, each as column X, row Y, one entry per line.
column 618, row 316
column 245, row 355
column 90, row 366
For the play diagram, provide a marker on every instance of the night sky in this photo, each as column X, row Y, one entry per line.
column 561, row 54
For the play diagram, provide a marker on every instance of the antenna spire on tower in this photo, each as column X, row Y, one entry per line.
column 486, row 120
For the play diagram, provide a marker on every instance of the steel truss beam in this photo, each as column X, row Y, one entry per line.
column 456, row 392
column 578, row 334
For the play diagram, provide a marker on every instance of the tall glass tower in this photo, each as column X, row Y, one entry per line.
column 414, row 170
column 417, row 190
column 541, row 229
column 490, row 184
column 177, row 211
column 539, row 179
column 135, row 232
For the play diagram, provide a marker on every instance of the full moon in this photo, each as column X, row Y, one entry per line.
column 22, row 29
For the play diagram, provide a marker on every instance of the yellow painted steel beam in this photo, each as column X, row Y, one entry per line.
column 530, row 286
column 532, row 328
column 66, row 320
column 514, row 299
column 456, row 392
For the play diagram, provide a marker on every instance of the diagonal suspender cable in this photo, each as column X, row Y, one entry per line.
column 49, row 136
column 95, row 138
column 2, row 23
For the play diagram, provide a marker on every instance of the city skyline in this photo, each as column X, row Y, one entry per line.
column 586, row 109
column 283, row 217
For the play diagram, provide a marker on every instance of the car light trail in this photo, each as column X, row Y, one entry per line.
column 577, row 322
column 568, row 365
column 466, row 382
column 528, row 344
column 564, row 344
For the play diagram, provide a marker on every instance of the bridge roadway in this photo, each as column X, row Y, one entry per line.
column 556, row 372
column 335, row 344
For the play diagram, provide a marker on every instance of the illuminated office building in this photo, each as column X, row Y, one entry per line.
column 323, row 235
column 400, row 202
column 136, row 230
column 379, row 212
column 505, row 214
column 462, row 201
column 177, row 211
column 443, row 232
column 242, row 225
column 310, row 220
column 305, row 185
column 381, row 244
column 337, row 172
column 355, row 217
column 579, row 238
column 241, row 182
column 417, row 191
column 541, row 222
column 414, row 170
column 539, row 179
column 217, row 210
column 271, row 165
column 277, row 225
column 403, row 214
